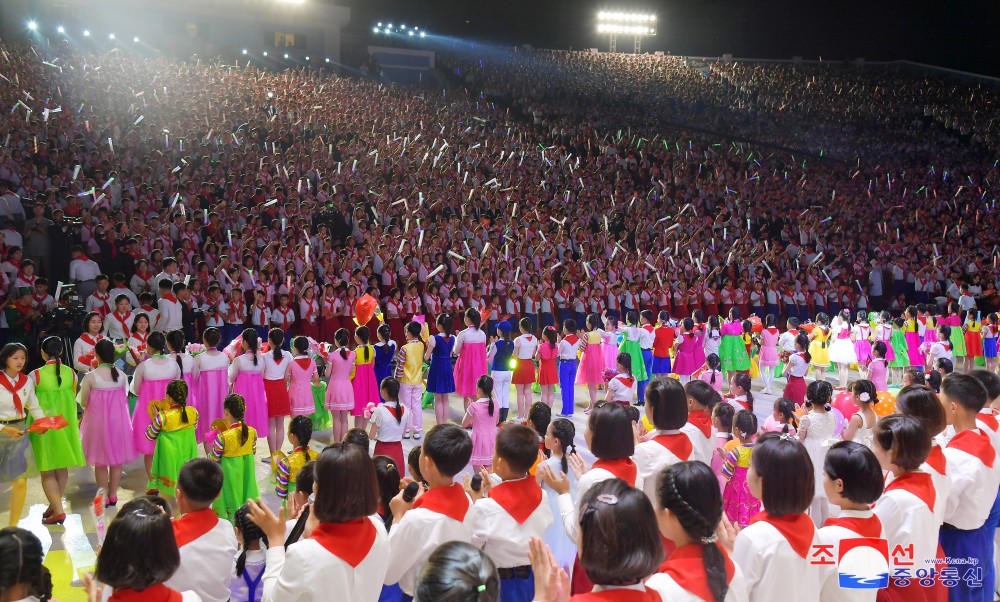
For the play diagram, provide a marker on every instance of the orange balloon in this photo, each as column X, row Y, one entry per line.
column 886, row 404
column 364, row 309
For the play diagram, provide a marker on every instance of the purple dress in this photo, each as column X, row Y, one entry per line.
column 106, row 429
column 339, row 392
column 684, row 363
column 484, row 432
column 213, row 387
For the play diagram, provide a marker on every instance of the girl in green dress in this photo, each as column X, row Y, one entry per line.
column 173, row 430
column 234, row 449
column 57, row 450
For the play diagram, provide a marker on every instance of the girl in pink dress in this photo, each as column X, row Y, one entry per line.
column 212, row 385
column 740, row 505
column 339, row 392
column 878, row 368
column 685, row 346
column 883, row 333
column 609, row 345
column 591, row 371
column 246, row 376
column 480, row 416
column 149, row 383
column 548, row 374
column 470, row 347
column 107, row 430
column 768, row 352
column 861, row 332
column 302, row 376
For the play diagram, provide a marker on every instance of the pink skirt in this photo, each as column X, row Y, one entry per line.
column 277, row 398
column 913, row 349
column 930, row 336
column 300, row 398
column 591, row 370
column 684, row 363
column 740, row 505
column 151, row 390
column 863, row 349
column 610, row 351
column 768, row 356
column 106, row 429
column 471, row 364
column 251, row 386
column 213, row 387
column 339, row 395
column 365, row 388
column 192, row 398
column 890, row 355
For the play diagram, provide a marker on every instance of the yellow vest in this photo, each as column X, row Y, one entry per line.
column 414, row 364
column 296, row 460
column 171, row 419
column 231, row 447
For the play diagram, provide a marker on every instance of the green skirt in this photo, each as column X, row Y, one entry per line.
column 173, row 450
column 900, row 349
column 733, row 354
column 635, row 351
column 957, row 341
column 61, row 448
column 239, row 484
column 322, row 419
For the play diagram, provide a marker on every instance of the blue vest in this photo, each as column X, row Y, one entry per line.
column 501, row 361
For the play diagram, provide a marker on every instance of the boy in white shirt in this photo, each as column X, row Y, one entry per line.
column 443, row 513
column 207, row 543
column 516, row 511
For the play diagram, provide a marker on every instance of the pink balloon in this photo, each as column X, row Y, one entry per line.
column 841, row 421
column 842, row 401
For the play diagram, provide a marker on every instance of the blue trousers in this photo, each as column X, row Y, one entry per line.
column 647, row 359
column 564, row 314
column 517, row 590
column 547, row 320
column 977, row 543
column 567, row 377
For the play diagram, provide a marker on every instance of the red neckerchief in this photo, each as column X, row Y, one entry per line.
column 303, row 362
column 793, row 331
column 451, row 501
column 169, row 297
column 686, row 566
column 648, row 327
column 937, row 461
column 797, row 529
column 284, row 313
column 86, row 338
column 864, row 527
column 153, row 593
column 975, row 443
column 772, row 329
column 571, row 339
column 919, row 484
column 395, row 410
column 619, row 595
column 350, row 541
column 989, row 420
column 518, row 498
column 678, row 444
column 702, row 420
column 193, row 525
column 628, row 381
column 14, row 388
column 144, row 276
column 624, row 468
column 122, row 319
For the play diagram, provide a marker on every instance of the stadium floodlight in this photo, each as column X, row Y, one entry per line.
column 410, row 32
column 244, row 51
column 615, row 23
column 423, row 34
column 286, row 55
column 328, row 60
column 307, row 58
column 265, row 53
column 61, row 29
column 375, row 29
column 33, row 25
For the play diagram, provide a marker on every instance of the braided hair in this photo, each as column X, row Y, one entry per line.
column 564, row 431
column 105, row 351
column 177, row 390
column 251, row 534
column 690, row 491
column 53, row 348
column 175, row 343
column 237, row 407
column 252, row 342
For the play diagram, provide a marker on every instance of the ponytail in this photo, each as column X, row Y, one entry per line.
column 252, row 341
column 53, row 347
column 105, row 351
column 485, row 385
column 341, row 338
column 564, row 431
column 277, row 339
column 236, row 406
column 175, row 341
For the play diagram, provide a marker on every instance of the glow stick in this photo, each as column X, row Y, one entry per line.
column 436, row 271
column 456, row 255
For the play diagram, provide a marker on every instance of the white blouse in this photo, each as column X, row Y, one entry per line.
column 276, row 370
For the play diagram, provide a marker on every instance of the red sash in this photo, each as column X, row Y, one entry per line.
column 701, row 419
column 624, row 468
column 919, row 484
column 989, row 420
column 14, row 388
column 193, row 525
column 451, row 501
column 797, row 529
column 351, row 541
column 686, row 566
column 865, row 527
column 518, row 498
column 679, row 444
column 975, row 443
column 153, row 593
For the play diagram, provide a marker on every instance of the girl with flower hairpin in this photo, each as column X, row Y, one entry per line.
column 861, row 426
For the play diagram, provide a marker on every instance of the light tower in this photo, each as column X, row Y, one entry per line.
column 615, row 23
